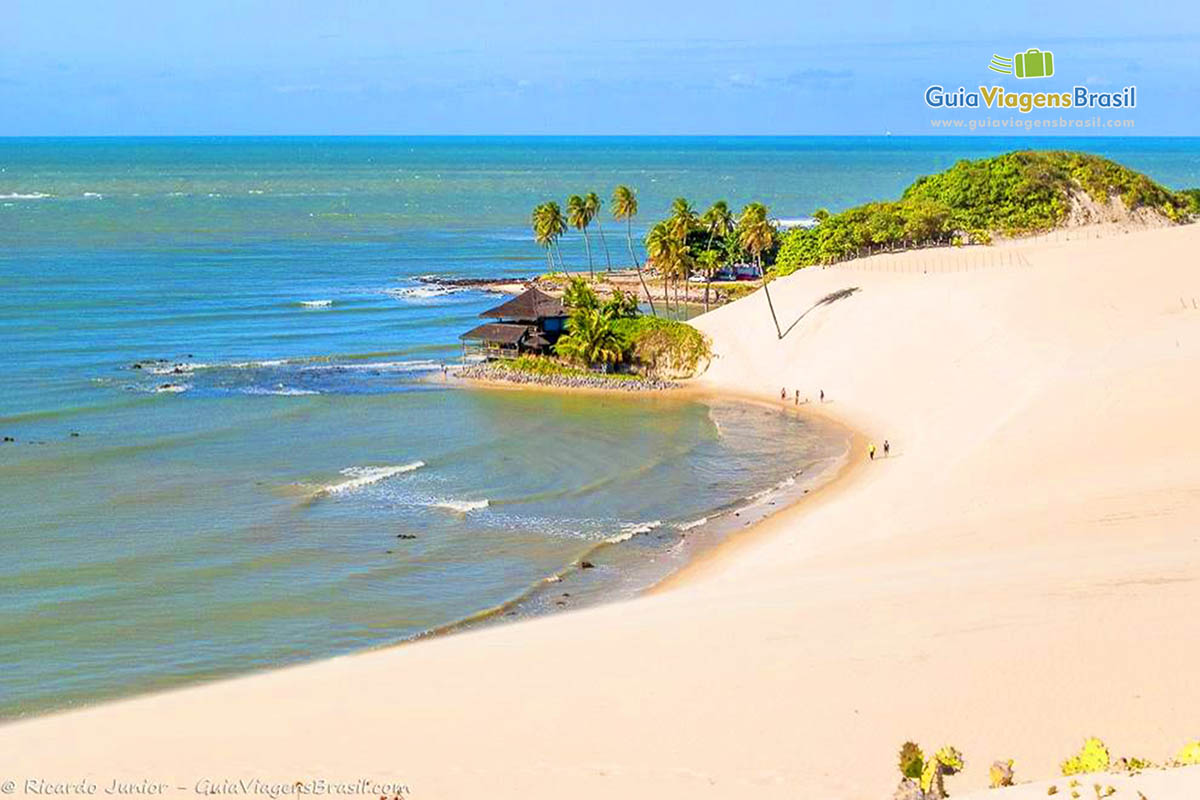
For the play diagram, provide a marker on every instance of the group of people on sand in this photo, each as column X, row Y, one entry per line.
column 783, row 395
column 887, row 446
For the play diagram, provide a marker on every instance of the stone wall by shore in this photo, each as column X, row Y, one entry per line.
column 499, row 372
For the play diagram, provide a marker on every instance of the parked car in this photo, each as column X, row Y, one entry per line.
column 725, row 274
column 747, row 272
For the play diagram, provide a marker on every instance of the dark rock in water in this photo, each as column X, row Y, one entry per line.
column 136, row 366
column 9, row 439
column 586, row 565
column 74, row 434
column 406, row 536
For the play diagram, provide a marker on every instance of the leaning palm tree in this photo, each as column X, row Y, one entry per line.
column 592, row 202
column 756, row 235
column 708, row 260
column 718, row 221
column 660, row 243
column 541, row 232
column 554, row 226
column 580, row 217
column 625, row 206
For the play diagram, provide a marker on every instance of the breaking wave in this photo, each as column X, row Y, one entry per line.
column 461, row 506
column 358, row 477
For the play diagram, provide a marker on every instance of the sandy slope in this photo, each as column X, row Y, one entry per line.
column 1021, row 573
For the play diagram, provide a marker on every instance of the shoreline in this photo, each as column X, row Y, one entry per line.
column 705, row 546
column 948, row 595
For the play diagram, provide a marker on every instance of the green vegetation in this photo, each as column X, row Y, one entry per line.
column 548, row 224
column 1189, row 755
column 625, row 206
column 1011, row 194
column 612, row 332
column 549, row 368
column 1000, row 774
column 1193, row 200
column 924, row 778
column 663, row 345
column 580, row 215
column 1093, row 757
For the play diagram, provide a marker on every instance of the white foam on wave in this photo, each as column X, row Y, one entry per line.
column 25, row 196
column 181, row 368
column 687, row 526
column 279, row 391
column 358, row 477
column 172, row 388
column 95, row 195
column 461, row 506
column 316, row 303
column 426, row 292
column 387, row 366
column 632, row 529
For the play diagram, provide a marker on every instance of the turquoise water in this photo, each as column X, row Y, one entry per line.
column 245, row 495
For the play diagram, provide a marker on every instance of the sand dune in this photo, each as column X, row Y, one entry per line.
column 1022, row 572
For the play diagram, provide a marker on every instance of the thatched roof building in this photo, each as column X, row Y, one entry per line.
column 531, row 322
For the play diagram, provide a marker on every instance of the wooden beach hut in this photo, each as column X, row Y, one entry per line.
column 529, row 323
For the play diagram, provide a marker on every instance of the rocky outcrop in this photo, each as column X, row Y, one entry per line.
column 498, row 372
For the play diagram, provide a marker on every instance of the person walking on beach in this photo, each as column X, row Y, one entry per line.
column 871, row 451
column 797, row 402
column 887, row 448
column 822, row 395
column 783, row 393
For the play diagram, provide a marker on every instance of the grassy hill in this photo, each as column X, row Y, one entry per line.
column 1011, row 194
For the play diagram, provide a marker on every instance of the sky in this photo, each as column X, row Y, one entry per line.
column 764, row 67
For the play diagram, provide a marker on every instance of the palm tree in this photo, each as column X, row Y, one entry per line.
column 756, row 235
column 681, row 222
column 625, row 206
column 671, row 256
column 590, row 338
column 709, row 260
column 549, row 219
column 592, row 202
column 580, row 217
column 718, row 221
column 541, row 232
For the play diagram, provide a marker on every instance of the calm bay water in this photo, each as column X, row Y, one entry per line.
column 254, row 505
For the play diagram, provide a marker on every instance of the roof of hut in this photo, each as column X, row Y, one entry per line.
column 531, row 304
column 497, row 332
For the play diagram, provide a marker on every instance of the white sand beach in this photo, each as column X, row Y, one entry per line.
column 1022, row 572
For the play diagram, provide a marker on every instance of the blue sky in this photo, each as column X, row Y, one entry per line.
column 142, row 67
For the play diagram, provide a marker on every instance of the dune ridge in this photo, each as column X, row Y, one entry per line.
column 1020, row 573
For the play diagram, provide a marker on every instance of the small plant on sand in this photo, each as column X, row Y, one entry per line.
column 1093, row 757
column 912, row 760
column 924, row 779
column 1189, row 755
column 1001, row 774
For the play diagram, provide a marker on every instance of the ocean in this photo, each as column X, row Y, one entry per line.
column 231, row 447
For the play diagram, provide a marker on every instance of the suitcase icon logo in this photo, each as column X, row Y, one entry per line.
column 1033, row 63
